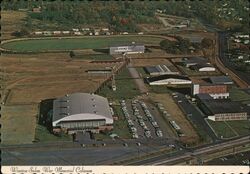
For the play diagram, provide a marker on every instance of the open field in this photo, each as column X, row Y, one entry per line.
column 237, row 94
column 43, row 135
column 120, row 126
column 18, row 123
column 177, row 115
column 222, row 129
column 126, row 87
column 11, row 21
column 150, row 62
column 230, row 129
column 32, row 78
column 87, row 42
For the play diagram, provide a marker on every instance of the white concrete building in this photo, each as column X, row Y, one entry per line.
column 82, row 111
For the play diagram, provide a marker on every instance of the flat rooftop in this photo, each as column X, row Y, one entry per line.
column 220, row 106
column 221, row 80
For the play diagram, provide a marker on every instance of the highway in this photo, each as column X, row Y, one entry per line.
column 190, row 153
column 242, row 79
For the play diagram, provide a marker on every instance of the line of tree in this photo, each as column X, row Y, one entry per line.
column 180, row 45
column 125, row 15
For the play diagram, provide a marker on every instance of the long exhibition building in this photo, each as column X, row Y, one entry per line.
column 81, row 112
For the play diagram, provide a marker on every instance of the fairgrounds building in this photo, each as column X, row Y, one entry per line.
column 81, row 112
column 168, row 80
column 217, row 86
column 160, row 70
column 128, row 49
column 221, row 109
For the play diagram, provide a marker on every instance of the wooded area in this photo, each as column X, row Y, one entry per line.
column 124, row 15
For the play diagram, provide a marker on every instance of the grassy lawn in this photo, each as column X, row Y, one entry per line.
column 161, row 89
column 43, row 135
column 141, row 71
column 120, row 126
column 126, row 88
column 95, row 57
column 242, row 127
column 77, row 43
column 237, row 94
column 222, row 129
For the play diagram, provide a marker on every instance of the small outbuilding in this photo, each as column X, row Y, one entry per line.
column 128, row 49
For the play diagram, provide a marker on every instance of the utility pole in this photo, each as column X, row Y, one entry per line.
column 113, row 79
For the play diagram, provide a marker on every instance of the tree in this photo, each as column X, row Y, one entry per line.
column 206, row 43
column 22, row 32
column 72, row 54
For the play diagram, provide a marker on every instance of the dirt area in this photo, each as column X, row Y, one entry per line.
column 177, row 116
column 11, row 21
column 150, row 62
column 32, row 78
column 150, row 27
column 18, row 123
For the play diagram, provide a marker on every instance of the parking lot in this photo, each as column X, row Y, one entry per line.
column 141, row 119
column 194, row 114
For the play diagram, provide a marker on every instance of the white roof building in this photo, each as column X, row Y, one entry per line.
column 80, row 111
column 169, row 80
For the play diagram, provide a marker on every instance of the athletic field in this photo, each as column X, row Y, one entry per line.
column 94, row 42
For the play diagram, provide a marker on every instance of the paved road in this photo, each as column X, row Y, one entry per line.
column 190, row 153
column 138, row 80
column 195, row 115
column 73, row 156
column 242, row 78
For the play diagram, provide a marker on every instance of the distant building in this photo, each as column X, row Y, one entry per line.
column 57, row 32
column 38, row 32
column 80, row 112
column 187, row 62
column 47, row 33
column 105, row 29
column 219, row 80
column 66, row 32
column 128, row 49
column 203, row 67
column 160, row 70
column 221, row 109
column 37, row 10
column 168, row 80
column 215, row 91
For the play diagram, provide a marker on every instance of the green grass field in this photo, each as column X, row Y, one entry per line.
column 120, row 126
column 77, row 43
column 222, row 129
column 237, row 94
column 242, row 127
column 230, row 129
column 126, row 88
column 43, row 135
column 141, row 71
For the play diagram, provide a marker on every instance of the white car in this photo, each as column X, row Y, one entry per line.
column 154, row 123
column 135, row 136
column 159, row 133
column 148, row 134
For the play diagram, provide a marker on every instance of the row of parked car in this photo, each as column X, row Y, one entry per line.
column 151, row 119
column 131, row 126
column 140, row 120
